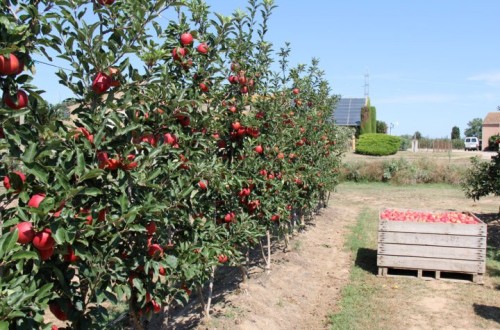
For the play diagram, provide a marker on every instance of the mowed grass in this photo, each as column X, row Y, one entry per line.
column 357, row 297
column 372, row 302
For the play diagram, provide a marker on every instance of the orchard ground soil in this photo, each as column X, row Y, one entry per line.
column 305, row 286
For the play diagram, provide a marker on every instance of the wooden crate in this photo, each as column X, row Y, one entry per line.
column 435, row 247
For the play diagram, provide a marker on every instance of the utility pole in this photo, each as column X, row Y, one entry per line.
column 367, row 85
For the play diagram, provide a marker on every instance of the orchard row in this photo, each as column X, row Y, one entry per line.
column 182, row 149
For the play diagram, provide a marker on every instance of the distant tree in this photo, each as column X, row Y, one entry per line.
column 381, row 127
column 455, row 133
column 474, row 128
column 366, row 123
column 373, row 119
column 417, row 135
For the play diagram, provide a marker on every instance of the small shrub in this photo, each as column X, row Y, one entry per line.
column 376, row 144
column 403, row 172
column 457, row 144
column 493, row 142
column 405, row 142
column 482, row 178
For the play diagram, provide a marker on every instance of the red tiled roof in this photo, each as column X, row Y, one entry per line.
column 492, row 118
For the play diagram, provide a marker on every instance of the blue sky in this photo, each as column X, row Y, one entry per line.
column 432, row 64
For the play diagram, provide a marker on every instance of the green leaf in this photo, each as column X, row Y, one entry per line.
column 80, row 163
column 25, row 255
column 61, row 236
column 4, row 325
column 38, row 171
column 29, row 155
column 92, row 191
column 7, row 242
column 92, row 174
column 45, row 291
column 171, row 261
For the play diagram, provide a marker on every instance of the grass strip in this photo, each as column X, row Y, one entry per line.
column 357, row 309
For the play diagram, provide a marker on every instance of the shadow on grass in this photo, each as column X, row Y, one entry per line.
column 488, row 312
column 366, row 259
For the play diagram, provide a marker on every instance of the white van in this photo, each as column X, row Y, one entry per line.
column 471, row 143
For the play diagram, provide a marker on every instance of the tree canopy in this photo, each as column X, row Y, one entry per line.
column 474, row 128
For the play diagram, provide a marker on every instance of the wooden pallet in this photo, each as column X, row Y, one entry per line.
column 431, row 275
column 432, row 247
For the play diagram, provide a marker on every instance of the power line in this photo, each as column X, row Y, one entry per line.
column 55, row 66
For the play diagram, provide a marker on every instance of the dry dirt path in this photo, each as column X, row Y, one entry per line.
column 302, row 287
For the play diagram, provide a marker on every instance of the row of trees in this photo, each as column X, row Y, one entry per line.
column 183, row 151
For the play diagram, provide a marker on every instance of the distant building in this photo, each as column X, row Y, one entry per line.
column 491, row 126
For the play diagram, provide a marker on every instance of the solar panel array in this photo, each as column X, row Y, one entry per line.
column 348, row 111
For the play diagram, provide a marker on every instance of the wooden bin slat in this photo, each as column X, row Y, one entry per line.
column 433, row 228
column 452, row 265
column 439, row 247
column 431, row 251
column 432, row 239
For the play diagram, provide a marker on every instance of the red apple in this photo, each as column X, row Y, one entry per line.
column 102, row 159
column 46, row 254
column 233, row 80
column 106, row 2
column 101, row 83
column 259, row 149
column 7, row 184
column 25, row 232
column 128, row 163
column 202, row 48
column 236, row 125
column 275, row 218
column 113, row 164
column 244, row 90
column 87, row 214
column 221, row 144
column 170, row 139
column 178, row 53
column 244, row 192
column 57, row 310
column 151, row 228
column 296, row 91
column 43, row 240
column 222, row 258
column 20, row 102
column 36, row 199
column 203, row 87
column 242, row 80
column 155, row 251
column 86, row 134
column 186, row 39
column 156, row 306
column 10, row 65
column 203, row 184
column 234, row 66
column 70, row 255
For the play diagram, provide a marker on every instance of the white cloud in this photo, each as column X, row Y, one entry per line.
column 490, row 78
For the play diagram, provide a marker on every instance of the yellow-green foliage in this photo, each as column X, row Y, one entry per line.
column 376, row 144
